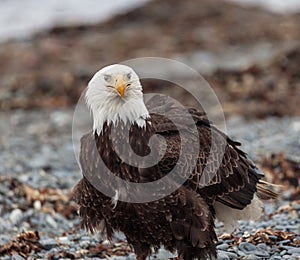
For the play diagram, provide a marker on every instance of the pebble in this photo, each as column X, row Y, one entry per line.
column 229, row 254
column 262, row 253
column 294, row 251
column 246, row 247
column 283, row 252
column 222, row 246
column 262, row 246
column 84, row 244
column 296, row 206
column 274, row 238
column 15, row 215
column 51, row 222
column 283, row 242
column 37, row 205
column 250, row 257
column 85, row 238
column 48, row 243
column 63, row 240
column 241, row 253
column 17, row 257
column 223, row 256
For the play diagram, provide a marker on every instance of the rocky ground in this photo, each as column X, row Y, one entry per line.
column 250, row 57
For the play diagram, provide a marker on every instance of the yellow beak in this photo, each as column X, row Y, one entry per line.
column 121, row 88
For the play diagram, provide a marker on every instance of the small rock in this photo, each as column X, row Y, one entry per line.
column 241, row 253
column 15, row 215
column 85, row 238
column 283, row 242
column 222, row 246
column 162, row 254
column 287, row 247
column 274, row 238
column 295, row 250
column 261, row 253
column 63, row 240
column 223, row 256
column 17, row 257
column 84, row 243
column 276, row 257
column 50, row 221
column 250, row 257
column 231, row 255
column 37, row 205
column 48, row 243
column 105, row 242
column 262, row 246
column 296, row 206
column 246, row 247
column 283, row 252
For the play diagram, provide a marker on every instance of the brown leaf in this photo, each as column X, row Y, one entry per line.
column 24, row 244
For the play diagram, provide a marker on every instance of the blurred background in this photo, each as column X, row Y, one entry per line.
column 248, row 50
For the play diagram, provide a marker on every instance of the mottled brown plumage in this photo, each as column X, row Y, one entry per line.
column 182, row 220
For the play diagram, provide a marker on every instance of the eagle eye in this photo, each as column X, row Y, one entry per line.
column 107, row 78
column 129, row 76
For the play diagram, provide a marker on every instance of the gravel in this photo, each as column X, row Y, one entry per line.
column 37, row 150
column 264, row 137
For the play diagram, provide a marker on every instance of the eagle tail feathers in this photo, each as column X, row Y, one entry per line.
column 266, row 190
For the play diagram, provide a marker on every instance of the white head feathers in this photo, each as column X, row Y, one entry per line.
column 114, row 95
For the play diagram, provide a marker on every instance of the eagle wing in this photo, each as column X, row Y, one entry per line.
column 222, row 171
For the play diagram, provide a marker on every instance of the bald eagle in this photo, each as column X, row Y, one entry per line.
column 181, row 220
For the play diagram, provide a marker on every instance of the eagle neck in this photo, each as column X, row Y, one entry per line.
column 113, row 113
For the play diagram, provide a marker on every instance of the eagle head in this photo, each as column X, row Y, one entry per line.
column 114, row 95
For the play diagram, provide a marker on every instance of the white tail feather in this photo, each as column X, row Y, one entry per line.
column 230, row 216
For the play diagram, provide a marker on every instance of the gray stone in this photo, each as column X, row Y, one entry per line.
column 261, row 253
column 223, row 256
column 262, row 246
column 222, row 246
column 17, row 257
column 64, row 240
column 84, row 243
column 295, row 250
column 48, row 243
column 246, row 247
column 231, row 255
column 15, row 215
column 250, row 257
column 274, row 238
column 283, row 242
column 50, row 221
column 222, row 253
column 241, row 253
